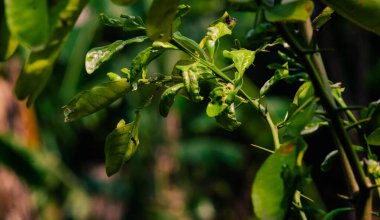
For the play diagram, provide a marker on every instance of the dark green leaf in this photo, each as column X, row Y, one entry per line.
column 121, row 144
column 160, row 18
column 93, row 100
column 334, row 213
column 322, row 18
column 141, row 61
column 167, row 98
column 327, row 163
column 97, row 56
column 227, row 119
column 39, row 64
column 28, row 21
column 8, row 43
column 368, row 111
column 363, row 13
column 263, row 32
column 243, row 5
column 188, row 45
column 294, row 11
column 374, row 137
column 313, row 126
column 269, row 195
column 181, row 12
column 128, row 23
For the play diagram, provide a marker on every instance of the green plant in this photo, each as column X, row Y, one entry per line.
column 279, row 188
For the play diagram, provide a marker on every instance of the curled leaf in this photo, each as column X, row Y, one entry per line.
column 141, row 61
column 227, row 118
column 121, row 144
column 94, row 99
column 188, row 45
column 167, row 98
column 97, row 56
column 219, row 100
column 281, row 73
column 8, row 43
column 242, row 59
column 127, row 22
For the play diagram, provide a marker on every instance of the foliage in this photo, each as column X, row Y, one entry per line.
column 217, row 78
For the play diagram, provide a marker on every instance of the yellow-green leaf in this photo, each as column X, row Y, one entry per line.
column 374, row 137
column 28, row 21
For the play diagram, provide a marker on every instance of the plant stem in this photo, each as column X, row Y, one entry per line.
column 313, row 62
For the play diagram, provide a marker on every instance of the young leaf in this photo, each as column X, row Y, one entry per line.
column 160, row 18
column 188, row 45
column 94, row 99
column 221, row 27
column 374, row 137
column 280, row 73
column 167, row 98
column 190, row 74
column 121, row 144
column 242, row 59
column 294, row 11
column 227, row 118
column 141, row 61
column 28, row 21
column 322, row 18
column 269, row 196
column 97, row 56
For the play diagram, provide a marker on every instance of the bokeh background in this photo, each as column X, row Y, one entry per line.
column 186, row 167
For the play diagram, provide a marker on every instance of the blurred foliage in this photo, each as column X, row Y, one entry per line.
column 200, row 167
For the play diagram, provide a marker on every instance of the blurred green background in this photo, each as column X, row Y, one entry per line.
column 186, row 167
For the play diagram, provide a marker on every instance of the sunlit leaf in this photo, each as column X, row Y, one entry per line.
column 221, row 27
column 28, row 21
column 242, row 58
column 97, row 56
column 374, row 137
column 227, row 118
column 94, row 99
column 167, row 98
column 269, row 196
column 294, row 11
column 188, row 45
column 363, row 13
column 121, row 144
column 160, row 18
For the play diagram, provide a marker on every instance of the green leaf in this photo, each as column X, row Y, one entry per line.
column 322, row 18
column 28, row 21
column 94, row 99
column 281, row 73
column 39, row 64
column 221, row 27
column 121, row 144
column 243, row 5
column 141, row 61
column 124, row 2
column 128, row 23
column 363, row 13
column 242, row 59
column 190, row 74
column 8, row 43
column 269, row 195
column 219, row 100
column 374, row 137
column 294, row 11
column 167, row 98
column 334, row 213
column 97, row 56
column 188, row 45
column 160, row 18
column 227, row 118
column 181, row 12
column 327, row 163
